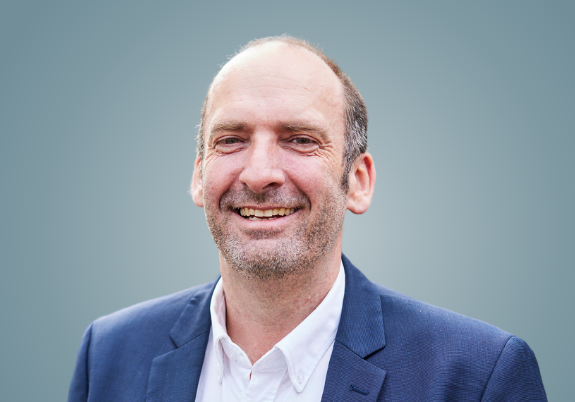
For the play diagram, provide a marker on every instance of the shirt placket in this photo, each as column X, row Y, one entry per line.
column 266, row 376
column 236, row 372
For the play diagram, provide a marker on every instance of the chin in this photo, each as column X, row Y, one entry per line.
column 269, row 260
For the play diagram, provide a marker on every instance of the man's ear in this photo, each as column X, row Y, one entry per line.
column 196, row 188
column 361, row 184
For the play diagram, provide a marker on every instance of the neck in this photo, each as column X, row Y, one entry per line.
column 261, row 312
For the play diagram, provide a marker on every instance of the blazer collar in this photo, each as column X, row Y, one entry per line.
column 350, row 377
column 361, row 324
column 195, row 319
column 174, row 376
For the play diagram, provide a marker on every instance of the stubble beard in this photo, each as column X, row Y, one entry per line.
column 272, row 255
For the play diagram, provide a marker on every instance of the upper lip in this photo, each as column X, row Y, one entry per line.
column 264, row 208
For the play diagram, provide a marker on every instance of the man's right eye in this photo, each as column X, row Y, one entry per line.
column 228, row 144
column 227, row 141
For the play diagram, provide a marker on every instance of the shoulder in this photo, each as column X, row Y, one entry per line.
column 405, row 318
column 410, row 317
column 454, row 355
column 149, row 321
column 117, row 350
column 430, row 353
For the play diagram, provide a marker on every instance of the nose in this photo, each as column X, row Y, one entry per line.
column 261, row 170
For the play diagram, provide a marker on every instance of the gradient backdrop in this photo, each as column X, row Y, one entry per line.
column 472, row 126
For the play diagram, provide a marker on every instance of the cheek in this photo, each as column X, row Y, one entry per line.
column 312, row 176
column 218, row 177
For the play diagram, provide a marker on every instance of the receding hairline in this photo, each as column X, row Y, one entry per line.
column 256, row 45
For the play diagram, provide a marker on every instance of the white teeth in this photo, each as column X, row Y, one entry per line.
column 256, row 214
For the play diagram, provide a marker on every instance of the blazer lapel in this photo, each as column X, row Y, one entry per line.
column 174, row 376
column 349, row 376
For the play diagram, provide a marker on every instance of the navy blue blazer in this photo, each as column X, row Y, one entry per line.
column 388, row 347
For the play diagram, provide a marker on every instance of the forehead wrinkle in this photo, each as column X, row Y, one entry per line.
column 223, row 101
column 245, row 87
column 223, row 98
column 226, row 103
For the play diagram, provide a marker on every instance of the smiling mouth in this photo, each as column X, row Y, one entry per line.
column 264, row 214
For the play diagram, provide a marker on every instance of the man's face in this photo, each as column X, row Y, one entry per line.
column 272, row 168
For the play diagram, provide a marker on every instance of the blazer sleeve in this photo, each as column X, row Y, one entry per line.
column 516, row 375
column 80, row 385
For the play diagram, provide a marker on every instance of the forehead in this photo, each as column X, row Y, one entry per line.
column 274, row 82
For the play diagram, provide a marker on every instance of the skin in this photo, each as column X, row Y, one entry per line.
column 274, row 138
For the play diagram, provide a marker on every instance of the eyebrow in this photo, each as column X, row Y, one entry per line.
column 228, row 126
column 304, row 128
column 298, row 127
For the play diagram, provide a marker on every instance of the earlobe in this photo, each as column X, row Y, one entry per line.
column 361, row 184
column 196, row 188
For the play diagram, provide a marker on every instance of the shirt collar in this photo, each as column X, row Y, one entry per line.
column 219, row 332
column 304, row 346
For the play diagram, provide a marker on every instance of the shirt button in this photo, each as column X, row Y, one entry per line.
column 234, row 356
column 300, row 378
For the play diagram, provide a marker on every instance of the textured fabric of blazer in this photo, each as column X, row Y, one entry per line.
column 388, row 347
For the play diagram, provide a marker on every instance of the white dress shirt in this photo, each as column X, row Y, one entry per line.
column 293, row 370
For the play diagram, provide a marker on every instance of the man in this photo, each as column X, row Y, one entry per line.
column 282, row 154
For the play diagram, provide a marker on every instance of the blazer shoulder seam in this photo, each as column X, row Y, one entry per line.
column 89, row 331
column 495, row 365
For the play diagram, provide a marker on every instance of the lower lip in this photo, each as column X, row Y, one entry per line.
column 271, row 218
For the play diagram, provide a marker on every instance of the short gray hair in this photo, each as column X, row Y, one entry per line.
column 355, row 110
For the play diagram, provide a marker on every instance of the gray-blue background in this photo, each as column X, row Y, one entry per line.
column 472, row 126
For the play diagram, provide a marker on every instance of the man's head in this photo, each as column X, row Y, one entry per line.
column 354, row 110
column 274, row 141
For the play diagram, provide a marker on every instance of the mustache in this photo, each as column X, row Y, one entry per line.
column 238, row 198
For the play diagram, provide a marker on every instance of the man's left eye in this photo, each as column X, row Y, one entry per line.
column 302, row 140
